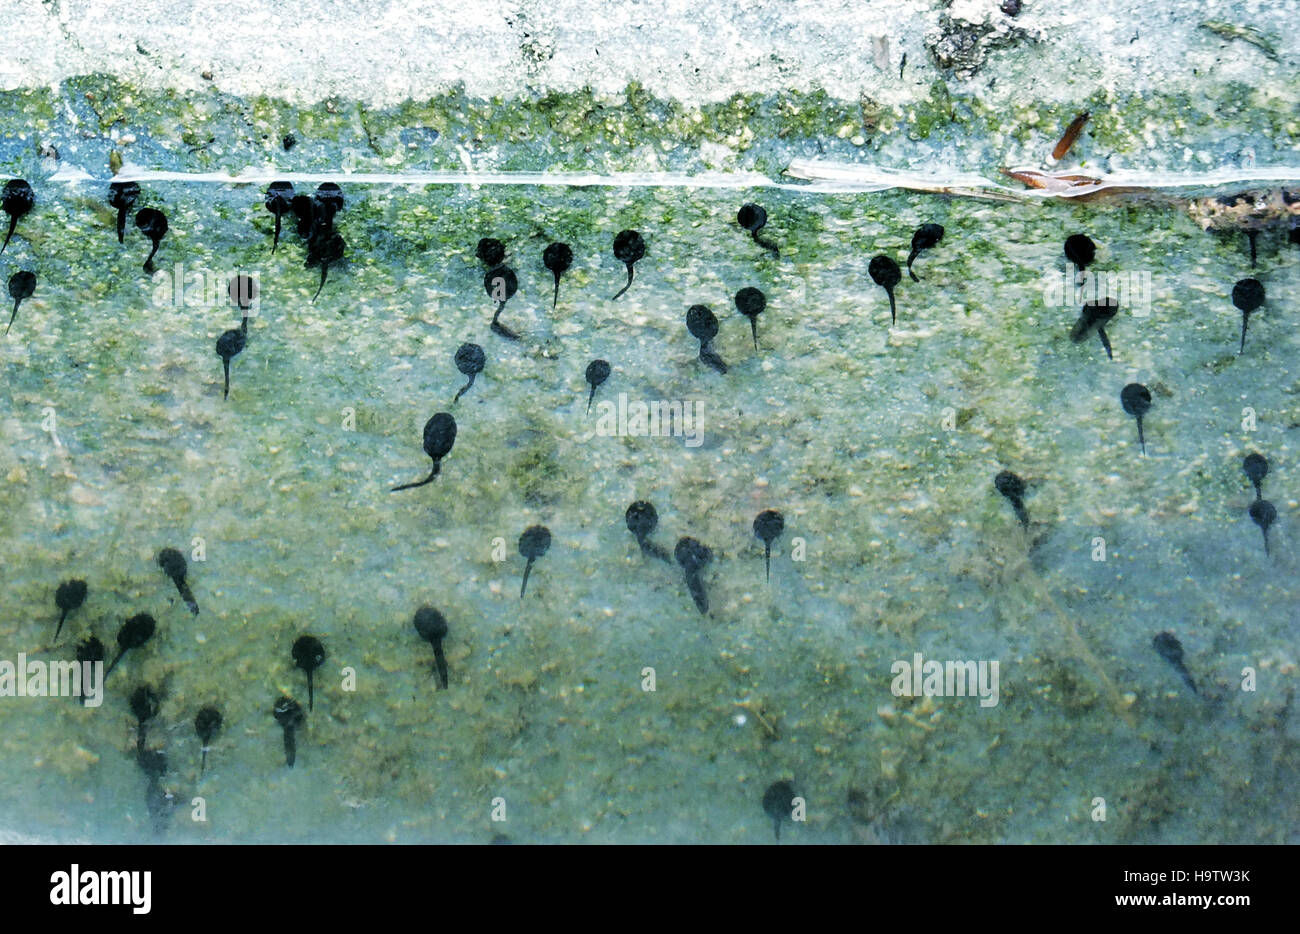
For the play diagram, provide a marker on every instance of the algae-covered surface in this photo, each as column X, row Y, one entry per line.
column 879, row 445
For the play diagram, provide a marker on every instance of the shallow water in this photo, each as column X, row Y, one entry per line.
column 878, row 444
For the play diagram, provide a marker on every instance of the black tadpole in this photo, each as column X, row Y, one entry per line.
column 751, row 303
column 469, row 360
column 289, row 715
column 1170, row 649
column 17, row 199
column 153, row 224
column 768, row 526
column 1013, row 488
column 753, row 218
column 1080, row 250
column 1094, row 317
column 500, row 283
column 279, row 201
column 926, row 236
column 309, row 654
column 326, row 201
column 703, row 325
column 532, row 545
column 122, row 197
column 21, row 286
column 778, row 804
column 597, row 372
column 629, row 246
column 134, row 633
column 1247, row 295
column 144, row 704
column 432, row 628
column 324, row 251
column 886, row 274
column 173, row 564
column 206, row 725
column 642, row 519
column 90, row 651
column 490, row 252
column 439, row 436
column 1136, row 400
column 69, row 596
column 557, row 257
column 692, row 555
column 303, row 208
column 1263, row 514
column 1256, row 469
column 230, row 344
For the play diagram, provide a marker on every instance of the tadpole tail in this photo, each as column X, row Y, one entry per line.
column 121, row 225
column 659, row 552
column 893, row 312
column 148, row 260
column 324, row 271
column 203, row 761
column 13, row 225
column 590, row 397
column 776, row 828
column 243, row 325
column 17, row 302
column 1022, row 514
column 767, row 559
column 120, row 653
column 629, row 283
column 429, row 479
column 1187, row 676
column 225, row 364
column 766, row 244
column 1259, row 494
column 275, row 242
column 524, row 586
column 696, row 587
column 440, row 662
column 1266, row 550
column 1142, row 437
column 709, row 356
column 498, row 328
column 910, row 257
column 555, row 300
column 1251, row 235
column 1105, row 342
column 1244, row 319
column 753, row 327
column 290, row 747
column 64, row 615
column 139, row 738
column 311, row 692
column 464, row 389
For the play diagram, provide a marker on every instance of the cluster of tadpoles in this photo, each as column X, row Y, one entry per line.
column 151, row 222
column 17, row 199
column 1261, row 512
column 884, row 270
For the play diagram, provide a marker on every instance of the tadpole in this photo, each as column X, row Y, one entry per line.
column 324, row 252
column 778, row 804
column 173, row 564
column 327, row 201
column 439, row 436
column 491, row 252
column 1247, row 295
column 206, row 725
column 1095, row 316
column 500, row 283
column 629, row 246
column 1170, row 649
column 144, row 704
column 532, row 545
column 288, row 713
column 597, row 372
column 642, row 518
column 1013, row 488
column 309, row 654
column 303, row 208
column 753, row 218
column 21, row 286
column 886, row 274
column 134, row 633
column 557, row 257
column 693, row 555
column 229, row 345
column 751, row 303
column 703, row 325
column 469, row 360
column 768, row 526
column 17, row 199
column 1263, row 514
column 1080, row 251
column 1256, row 469
column 279, row 201
column 153, row 224
column 1136, row 400
column 69, row 596
column 432, row 628
column 926, row 236
column 122, row 197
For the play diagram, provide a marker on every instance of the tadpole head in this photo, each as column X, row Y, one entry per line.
column 144, row 703
column 439, row 435
column 1248, row 295
column 470, row 359
column 629, row 246
column 752, row 217
column 123, row 195
column 1080, row 250
column 642, row 519
column 597, row 372
column 692, row 554
column 136, row 631
column 778, row 804
column 750, row 302
column 500, row 283
column 1168, row 647
column 768, row 525
column 702, row 323
column 207, row 723
column 70, row 595
column 1136, row 399
column 1263, row 514
column 152, row 223
column 22, row 285
column 534, row 542
column 308, row 653
column 279, row 198
column 430, row 625
column 288, row 713
column 491, row 252
column 173, row 564
column 328, row 199
column 927, row 236
column 1256, row 468
column 231, row 343
column 90, row 650
column 243, row 291
column 17, row 199
column 557, row 257
column 884, row 271
column 1010, row 485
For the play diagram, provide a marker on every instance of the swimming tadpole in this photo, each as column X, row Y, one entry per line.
column 1094, row 317
column 1012, row 489
column 69, row 596
column 22, row 285
column 926, row 236
column 753, row 217
column 431, row 626
column 642, row 518
column 470, row 360
column 325, row 251
column 279, row 201
column 751, row 303
column 308, row 654
column 597, row 372
column 17, row 199
column 703, row 325
column 1248, row 296
column 886, row 274
column 153, row 224
column 122, row 197
column 692, row 555
column 173, row 565
column 768, row 526
column 1136, row 400
column 501, row 284
column 557, row 257
column 629, row 247
column 439, row 436
column 534, row 543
